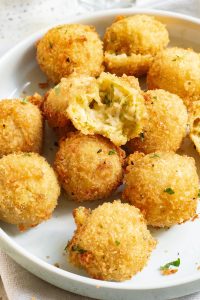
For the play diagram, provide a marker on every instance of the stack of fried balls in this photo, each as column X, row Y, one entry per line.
column 109, row 132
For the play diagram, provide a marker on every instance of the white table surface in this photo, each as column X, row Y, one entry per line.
column 20, row 18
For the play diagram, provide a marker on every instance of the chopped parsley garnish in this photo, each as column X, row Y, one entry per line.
column 175, row 263
column 65, row 248
column 142, row 136
column 199, row 194
column 154, row 155
column 169, row 191
column 111, row 152
column 99, row 151
column 24, row 101
column 155, row 97
column 57, row 89
column 78, row 249
column 117, row 242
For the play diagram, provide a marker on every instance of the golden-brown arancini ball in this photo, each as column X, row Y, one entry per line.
column 130, row 44
column 111, row 242
column 166, row 125
column 70, row 48
column 176, row 70
column 164, row 186
column 28, row 189
column 89, row 167
column 21, row 126
column 194, row 123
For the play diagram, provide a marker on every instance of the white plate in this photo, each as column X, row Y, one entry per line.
column 38, row 249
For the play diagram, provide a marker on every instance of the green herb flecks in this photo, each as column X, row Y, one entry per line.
column 176, row 58
column 57, row 89
column 169, row 191
column 199, row 194
column 107, row 100
column 50, row 45
column 78, row 249
column 24, row 101
column 154, row 155
column 27, row 154
column 142, row 136
column 175, row 263
column 111, row 152
column 117, row 242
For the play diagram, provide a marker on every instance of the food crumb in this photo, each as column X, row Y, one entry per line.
column 168, row 271
column 196, row 216
column 57, row 265
column 43, row 85
column 198, row 268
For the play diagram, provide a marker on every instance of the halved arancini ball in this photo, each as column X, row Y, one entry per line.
column 176, row 70
column 109, row 105
column 70, row 48
column 29, row 189
column 163, row 185
column 21, row 126
column 165, row 126
column 111, row 242
column 89, row 167
column 130, row 44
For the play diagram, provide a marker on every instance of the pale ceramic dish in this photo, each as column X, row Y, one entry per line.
column 40, row 248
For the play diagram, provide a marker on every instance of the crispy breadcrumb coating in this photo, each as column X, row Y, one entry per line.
column 70, row 48
column 164, row 186
column 36, row 99
column 28, row 189
column 166, row 125
column 130, row 44
column 194, row 123
column 89, row 167
column 111, row 242
column 21, row 126
column 176, row 70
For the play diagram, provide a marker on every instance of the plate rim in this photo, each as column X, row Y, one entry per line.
column 10, row 246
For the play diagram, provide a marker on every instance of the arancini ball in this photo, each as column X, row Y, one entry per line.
column 21, row 126
column 70, row 48
column 29, row 189
column 89, row 167
column 176, row 70
column 130, row 44
column 164, row 186
column 111, row 242
column 166, row 125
